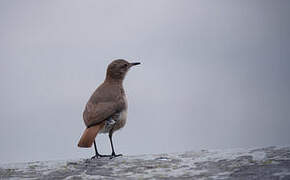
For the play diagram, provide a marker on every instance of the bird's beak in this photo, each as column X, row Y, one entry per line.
column 134, row 64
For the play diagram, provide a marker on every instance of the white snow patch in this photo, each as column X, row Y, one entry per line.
column 258, row 155
column 84, row 176
column 221, row 175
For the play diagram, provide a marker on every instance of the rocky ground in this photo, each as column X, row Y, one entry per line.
column 263, row 163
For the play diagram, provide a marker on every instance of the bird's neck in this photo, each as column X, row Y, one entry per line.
column 114, row 81
column 110, row 79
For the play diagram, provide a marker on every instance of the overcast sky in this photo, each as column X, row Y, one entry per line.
column 214, row 74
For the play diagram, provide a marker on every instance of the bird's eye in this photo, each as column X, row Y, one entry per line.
column 125, row 65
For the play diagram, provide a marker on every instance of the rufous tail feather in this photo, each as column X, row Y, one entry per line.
column 89, row 135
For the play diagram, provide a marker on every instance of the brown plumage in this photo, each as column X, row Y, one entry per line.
column 106, row 110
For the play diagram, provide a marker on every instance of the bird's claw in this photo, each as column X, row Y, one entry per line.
column 115, row 155
column 100, row 156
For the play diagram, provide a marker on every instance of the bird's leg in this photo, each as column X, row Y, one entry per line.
column 112, row 146
column 97, row 153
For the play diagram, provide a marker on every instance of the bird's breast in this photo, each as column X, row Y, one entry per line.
column 117, row 121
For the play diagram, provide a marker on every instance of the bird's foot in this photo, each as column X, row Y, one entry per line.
column 100, row 156
column 113, row 155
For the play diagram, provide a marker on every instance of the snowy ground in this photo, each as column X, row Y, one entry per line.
column 263, row 163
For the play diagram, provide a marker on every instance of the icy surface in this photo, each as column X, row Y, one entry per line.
column 263, row 163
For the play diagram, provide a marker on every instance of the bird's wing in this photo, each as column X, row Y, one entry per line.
column 97, row 113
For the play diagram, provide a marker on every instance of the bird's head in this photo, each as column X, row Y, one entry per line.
column 118, row 68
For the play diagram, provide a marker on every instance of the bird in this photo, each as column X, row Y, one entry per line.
column 106, row 109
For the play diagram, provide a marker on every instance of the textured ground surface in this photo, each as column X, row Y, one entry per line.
column 263, row 163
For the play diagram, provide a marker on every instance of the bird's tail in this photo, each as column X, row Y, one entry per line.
column 89, row 135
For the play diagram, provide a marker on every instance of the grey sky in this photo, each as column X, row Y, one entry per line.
column 214, row 74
